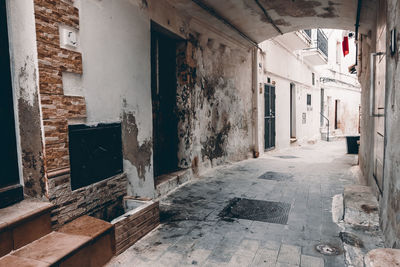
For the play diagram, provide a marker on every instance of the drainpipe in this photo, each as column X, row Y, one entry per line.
column 357, row 25
column 256, row 151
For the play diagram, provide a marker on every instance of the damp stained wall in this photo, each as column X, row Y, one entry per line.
column 215, row 101
column 215, row 108
column 25, row 83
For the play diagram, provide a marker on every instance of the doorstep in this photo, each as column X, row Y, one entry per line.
column 169, row 182
column 86, row 241
column 23, row 223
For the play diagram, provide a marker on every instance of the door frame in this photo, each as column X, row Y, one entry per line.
column 292, row 107
column 11, row 191
column 270, row 116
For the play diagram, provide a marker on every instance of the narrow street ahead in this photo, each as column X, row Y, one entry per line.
column 198, row 229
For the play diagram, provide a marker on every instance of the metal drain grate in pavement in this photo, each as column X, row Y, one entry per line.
column 287, row 157
column 276, row 176
column 256, row 210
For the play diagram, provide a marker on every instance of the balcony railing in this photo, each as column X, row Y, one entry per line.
column 322, row 42
column 308, row 33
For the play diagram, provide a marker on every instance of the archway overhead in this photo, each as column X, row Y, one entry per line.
column 260, row 20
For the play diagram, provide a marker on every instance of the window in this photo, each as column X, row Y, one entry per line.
column 313, row 78
column 308, row 100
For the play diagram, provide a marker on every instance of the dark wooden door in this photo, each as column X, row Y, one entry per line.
column 269, row 116
column 9, row 175
column 165, row 120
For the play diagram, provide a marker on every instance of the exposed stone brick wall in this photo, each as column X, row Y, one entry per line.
column 102, row 199
column 53, row 60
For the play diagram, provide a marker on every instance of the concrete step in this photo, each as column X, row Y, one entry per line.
column 22, row 223
column 168, row 182
column 361, row 208
column 86, row 241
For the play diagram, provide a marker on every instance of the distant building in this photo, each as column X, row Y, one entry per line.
column 305, row 82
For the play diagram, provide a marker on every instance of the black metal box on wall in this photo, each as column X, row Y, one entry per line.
column 95, row 153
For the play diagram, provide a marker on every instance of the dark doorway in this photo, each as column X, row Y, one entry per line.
column 292, row 111
column 322, row 107
column 163, row 84
column 10, row 188
column 269, row 116
column 336, row 114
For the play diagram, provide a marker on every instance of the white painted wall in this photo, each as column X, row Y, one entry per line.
column 285, row 66
column 345, row 86
column 115, row 45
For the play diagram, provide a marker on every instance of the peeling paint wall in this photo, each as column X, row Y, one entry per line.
column 115, row 44
column 24, row 68
column 214, row 101
column 213, row 95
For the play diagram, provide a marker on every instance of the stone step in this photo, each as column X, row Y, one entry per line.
column 169, row 182
column 361, row 208
column 22, row 223
column 382, row 257
column 86, row 241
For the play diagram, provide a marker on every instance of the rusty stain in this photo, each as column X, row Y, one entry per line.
column 137, row 155
column 195, row 165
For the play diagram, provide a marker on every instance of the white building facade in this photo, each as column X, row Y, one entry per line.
column 304, row 81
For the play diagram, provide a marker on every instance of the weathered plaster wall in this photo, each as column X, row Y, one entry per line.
column 115, row 43
column 390, row 204
column 214, row 100
column 367, row 46
column 25, row 77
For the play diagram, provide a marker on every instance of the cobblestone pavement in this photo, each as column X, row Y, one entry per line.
column 193, row 234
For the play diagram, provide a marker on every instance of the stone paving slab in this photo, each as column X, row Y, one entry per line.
column 193, row 234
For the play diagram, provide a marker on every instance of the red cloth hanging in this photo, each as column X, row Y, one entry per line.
column 345, row 46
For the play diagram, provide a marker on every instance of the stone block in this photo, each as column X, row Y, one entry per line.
column 309, row 261
column 361, row 207
column 289, row 254
column 382, row 257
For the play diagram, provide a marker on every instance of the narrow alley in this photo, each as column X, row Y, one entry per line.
column 200, row 133
column 194, row 232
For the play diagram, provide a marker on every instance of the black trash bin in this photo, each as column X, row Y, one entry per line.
column 352, row 146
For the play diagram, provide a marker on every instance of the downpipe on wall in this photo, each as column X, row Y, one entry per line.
column 256, row 151
column 372, row 85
